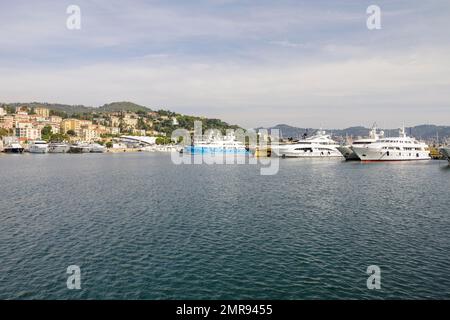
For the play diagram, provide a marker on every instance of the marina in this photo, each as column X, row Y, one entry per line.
column 222, row 158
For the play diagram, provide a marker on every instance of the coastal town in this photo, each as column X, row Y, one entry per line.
column 117, row 127
column 127, row 127
column 23, row 125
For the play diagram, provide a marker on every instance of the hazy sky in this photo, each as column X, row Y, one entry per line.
column 303, row 63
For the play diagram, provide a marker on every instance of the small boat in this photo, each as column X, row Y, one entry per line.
column 38, row 146
column 80, row 148
column 13, row 148
column 97, row 148
column 57, row 147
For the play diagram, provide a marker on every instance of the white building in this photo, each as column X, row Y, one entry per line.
column 2, row 112
column 89, row 135
column 26, row 131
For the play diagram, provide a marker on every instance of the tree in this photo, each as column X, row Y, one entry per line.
column 141, row 125
column 59, row 137
column 163, row 140
column 46, row 132
column 3, row 132
column 71, row 133
column 57, row 113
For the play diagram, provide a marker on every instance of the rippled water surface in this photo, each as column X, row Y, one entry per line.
column 142, row 228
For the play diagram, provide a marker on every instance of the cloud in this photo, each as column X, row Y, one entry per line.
column 251, row 63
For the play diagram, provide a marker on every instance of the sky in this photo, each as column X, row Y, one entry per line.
column 252, row 63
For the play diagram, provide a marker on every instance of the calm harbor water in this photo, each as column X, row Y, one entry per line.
column 142, row 228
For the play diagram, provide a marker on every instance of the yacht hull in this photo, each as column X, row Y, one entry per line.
column 58, row 149
column 348, row 153
column 39, row 150
column 446, row 153
column 76, row 149
column 372, row 155
column 214, row 150
column 310, row 153
column 13, row 150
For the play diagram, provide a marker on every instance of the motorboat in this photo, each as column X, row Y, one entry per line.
column 38, row 146
column 80, row 148
column 57, row 147
column 320, row 145
column 14, row 147
column 214, row 145
column 97, row 148
column 401, row 148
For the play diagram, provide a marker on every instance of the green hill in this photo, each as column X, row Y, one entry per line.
column 80, row 109
column 123, row 106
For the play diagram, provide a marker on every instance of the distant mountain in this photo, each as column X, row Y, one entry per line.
column 428, row 132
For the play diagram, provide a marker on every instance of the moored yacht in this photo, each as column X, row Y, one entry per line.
column 401, row 148
column 80, row 148
column 318, row 146
column 445, row 151
column 213, row 145
column 38, row 146
column 347, row 150
column 14, row 147
column 97, row 148
column 57, row 147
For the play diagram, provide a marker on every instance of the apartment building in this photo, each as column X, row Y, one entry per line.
column 43, row 112
column 26, row 131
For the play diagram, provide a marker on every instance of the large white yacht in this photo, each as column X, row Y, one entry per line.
column 57, row 147
column 80, row 148
column 38, row 146
column 347, row 150
column 401, row 148
column 97, row 148
column 445, row 151
column 319, row 145
column 212, row 145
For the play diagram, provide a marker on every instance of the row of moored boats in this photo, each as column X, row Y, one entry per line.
column 376, row 147
column 44, row 147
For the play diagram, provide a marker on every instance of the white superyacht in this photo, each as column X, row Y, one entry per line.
column 57, row 147
column 401, row 148
column 319, row 145
column 38, row 146
column 347, row 150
